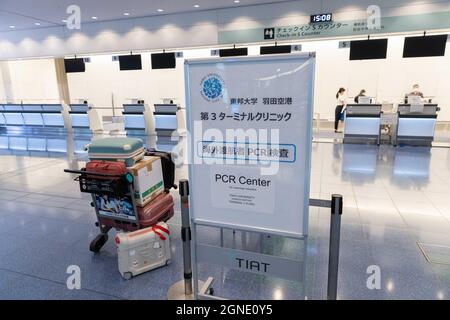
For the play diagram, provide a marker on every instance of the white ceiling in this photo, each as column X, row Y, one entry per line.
column 24, row 14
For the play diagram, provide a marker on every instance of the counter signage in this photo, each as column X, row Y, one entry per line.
column 321, row 26
column 251, row 141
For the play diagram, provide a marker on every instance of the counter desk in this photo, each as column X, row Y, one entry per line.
column 416, row 124
column 362, row 123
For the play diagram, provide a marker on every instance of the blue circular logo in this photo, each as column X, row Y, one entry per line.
column 212, row 87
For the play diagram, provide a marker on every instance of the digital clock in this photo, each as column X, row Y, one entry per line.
column 323, row 17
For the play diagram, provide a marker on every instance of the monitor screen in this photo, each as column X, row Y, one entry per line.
column 275, row 49
column 163, row 60
column 368, row 49
column 424, row 46
column 233, row 52
column 130, row 62
column 74, row 65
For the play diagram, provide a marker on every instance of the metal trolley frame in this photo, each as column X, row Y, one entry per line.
column 103, row 184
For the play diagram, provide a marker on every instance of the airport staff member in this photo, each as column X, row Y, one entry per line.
column 362, row 93
column 341, row 105
column 416, row 91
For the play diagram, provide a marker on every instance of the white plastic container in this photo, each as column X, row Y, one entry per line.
column 143, row 250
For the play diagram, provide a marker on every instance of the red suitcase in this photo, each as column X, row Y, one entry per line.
column 160, row 209
column 99, row 184
column 108, row 167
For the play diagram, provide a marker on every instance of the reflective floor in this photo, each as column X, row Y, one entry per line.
column 394, row 198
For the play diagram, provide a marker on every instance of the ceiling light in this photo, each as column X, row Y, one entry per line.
column 37, row 23
column 126, row 13
column 196, row 6
column 160, row 10
column 12, row 27
column 236, row 1
column 94, row 18
column 65, row 21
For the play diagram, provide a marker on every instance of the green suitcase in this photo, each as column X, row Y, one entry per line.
column 129, row 150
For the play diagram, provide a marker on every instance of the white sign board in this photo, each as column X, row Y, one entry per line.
column 250, row 148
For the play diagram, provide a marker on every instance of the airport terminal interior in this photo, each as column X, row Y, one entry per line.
column 73, row 75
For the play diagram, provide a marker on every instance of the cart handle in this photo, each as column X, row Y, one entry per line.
column 84, row 172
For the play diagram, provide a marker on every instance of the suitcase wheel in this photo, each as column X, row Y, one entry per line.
column 211, row 291
column 168, row 262
column 127, row 275
column 98, row 242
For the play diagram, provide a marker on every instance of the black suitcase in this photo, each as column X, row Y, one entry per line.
column 168, row 167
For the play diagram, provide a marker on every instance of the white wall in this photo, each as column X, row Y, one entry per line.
column 32, row 81
column 387, row 80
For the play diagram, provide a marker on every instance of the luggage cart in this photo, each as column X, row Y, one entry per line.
column 113, row 200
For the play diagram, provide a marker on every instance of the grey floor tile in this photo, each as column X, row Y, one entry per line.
column 38, row 241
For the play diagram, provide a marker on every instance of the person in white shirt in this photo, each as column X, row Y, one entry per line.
column 341, row 105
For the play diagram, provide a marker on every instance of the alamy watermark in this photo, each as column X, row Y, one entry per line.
column 374, row 17
column 374, row 280
column 74, row 280
column 73, row 21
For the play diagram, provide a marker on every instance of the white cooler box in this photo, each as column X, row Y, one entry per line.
column 143, row 250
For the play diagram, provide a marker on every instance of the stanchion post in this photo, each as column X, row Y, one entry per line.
column 183, row 289
column 186, row 236
column 335, row 233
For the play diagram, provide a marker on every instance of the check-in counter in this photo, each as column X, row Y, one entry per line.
column 53, row 115
column 44, row 143
column 2, row 117
column 79, row 117
column 416, row 124
column 13, row 115
column 33, row 115
column 166, row 122
column 362, row 123
column 137, row 119
column 84, row 119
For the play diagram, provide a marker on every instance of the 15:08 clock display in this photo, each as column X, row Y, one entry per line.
column 324, row 17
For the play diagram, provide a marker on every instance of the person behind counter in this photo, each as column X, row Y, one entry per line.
column 362, row 93
column 415, row 92
column 341, row 105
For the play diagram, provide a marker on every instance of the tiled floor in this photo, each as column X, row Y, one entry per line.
column 393, row 198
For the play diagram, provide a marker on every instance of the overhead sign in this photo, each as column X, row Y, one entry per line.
column 335, row 28
column 250, row 125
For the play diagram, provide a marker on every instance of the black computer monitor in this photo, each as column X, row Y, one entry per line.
column 130, row 62
column 164, row 60
column 368, row 49
column 74, row 65
column 233, row 52
column 424, row 46
column 275, row 49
